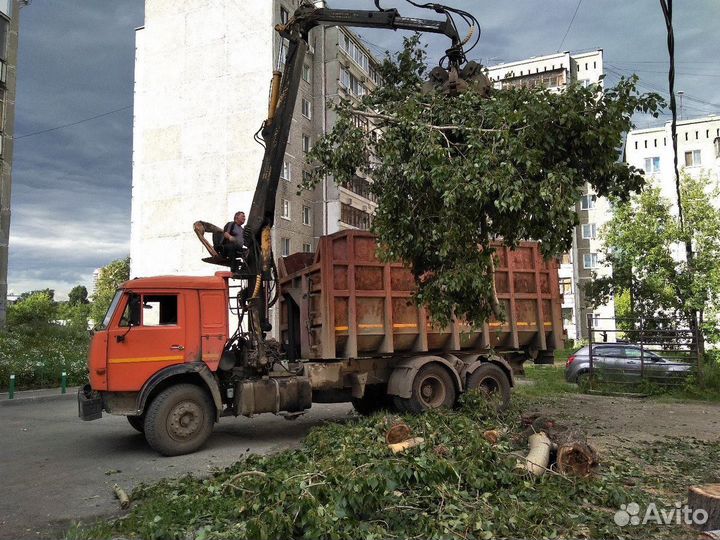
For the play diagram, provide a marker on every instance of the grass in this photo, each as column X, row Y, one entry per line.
column 343, row 482
column 545, row 380
column 550, row 380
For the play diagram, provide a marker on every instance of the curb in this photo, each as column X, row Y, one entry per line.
column 33, row 397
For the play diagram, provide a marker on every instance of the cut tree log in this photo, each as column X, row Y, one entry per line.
column 122, row 496
column 538, row 458
column 705, row 497
column 576, row 458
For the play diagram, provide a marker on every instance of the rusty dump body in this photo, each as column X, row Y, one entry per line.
column 342, row 303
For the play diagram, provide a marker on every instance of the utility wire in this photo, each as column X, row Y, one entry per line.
column 108, row 113
column 570, row 25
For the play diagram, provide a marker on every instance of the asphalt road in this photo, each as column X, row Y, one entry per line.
column 56, row 469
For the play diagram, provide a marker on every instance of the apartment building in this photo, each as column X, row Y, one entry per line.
column 9, row 25
column 556, row 72
column 698, row 152
column 202, row 76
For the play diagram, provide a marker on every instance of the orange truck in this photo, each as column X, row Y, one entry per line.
column 349, row 332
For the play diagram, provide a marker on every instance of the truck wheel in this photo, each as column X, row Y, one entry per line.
column 432, row 388
column 179, row 420
column 138, row 422
column 492, row 381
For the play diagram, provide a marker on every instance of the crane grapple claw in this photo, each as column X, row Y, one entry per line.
column 455, row 81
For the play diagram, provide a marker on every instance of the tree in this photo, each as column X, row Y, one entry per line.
column 108, row 281
column 78, row 295
column 453, row 173
column 33, row 311
column 643, row 246
column 28, row 294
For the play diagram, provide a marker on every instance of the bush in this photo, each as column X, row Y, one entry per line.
column 38, row 358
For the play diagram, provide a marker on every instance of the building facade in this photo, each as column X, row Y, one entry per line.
column 556, row 72
column 201, row 89
column 698, row 152
column 9, row 24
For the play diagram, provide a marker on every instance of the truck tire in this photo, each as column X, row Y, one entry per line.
column 137, row 422
column 179, row 420
column 432, row 388
column 492, row 380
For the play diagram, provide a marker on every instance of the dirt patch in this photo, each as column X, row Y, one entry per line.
column 613, row 421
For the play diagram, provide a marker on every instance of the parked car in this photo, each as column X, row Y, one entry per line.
column 622, row 361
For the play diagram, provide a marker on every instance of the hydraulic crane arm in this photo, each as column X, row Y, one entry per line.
column 258, row 268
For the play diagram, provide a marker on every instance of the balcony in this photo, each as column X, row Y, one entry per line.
column 355, row 217
column 360, row 186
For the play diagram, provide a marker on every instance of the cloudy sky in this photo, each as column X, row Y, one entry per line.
column 72, row 161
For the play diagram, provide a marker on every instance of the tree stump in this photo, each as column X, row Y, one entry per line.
column 705, row 497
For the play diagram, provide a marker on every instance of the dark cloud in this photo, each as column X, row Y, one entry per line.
column 71, row 187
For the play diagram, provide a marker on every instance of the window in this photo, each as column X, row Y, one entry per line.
column 306, row 109
column 4, row 31
column 567, row 315
column 567, row 258
column 306, row 143
column 284, row 15
column 286, row 172
column 285, row 246
column 652, row 164
column 352, row 83
column 589, row 231
column 285, row 209
column 306, row 215
column 588, row 202
column 307, row 176
column 590, row 260
column 692, row 158
column 716, row 144
column 306, row 73
column 355, row 52
column 566, row 285
column 307, row 248
column 159, row 310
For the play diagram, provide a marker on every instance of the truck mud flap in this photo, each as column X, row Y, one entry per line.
column 89, row 404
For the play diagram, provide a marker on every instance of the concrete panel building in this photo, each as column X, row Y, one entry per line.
column 556, row 72
column 202, row 78
column 698, row 152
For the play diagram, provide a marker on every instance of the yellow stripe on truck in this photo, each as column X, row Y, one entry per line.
column 149, row 359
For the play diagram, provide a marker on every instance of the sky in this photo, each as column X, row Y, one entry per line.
column 72, row 159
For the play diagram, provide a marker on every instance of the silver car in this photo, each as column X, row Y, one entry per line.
column 621, row 361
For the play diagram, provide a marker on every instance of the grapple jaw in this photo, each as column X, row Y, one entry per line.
column 455, row 80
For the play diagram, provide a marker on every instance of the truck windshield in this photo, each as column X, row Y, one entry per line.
column 111, row 310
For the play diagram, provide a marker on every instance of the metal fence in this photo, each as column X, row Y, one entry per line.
column 643, row 350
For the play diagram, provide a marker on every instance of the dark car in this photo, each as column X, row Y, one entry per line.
column 622, row 361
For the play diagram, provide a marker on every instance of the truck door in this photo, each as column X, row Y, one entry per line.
column 149, row 336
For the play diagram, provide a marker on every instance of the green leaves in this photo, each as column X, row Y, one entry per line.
column 451, row 174
column 642, row 242
column 108, row 281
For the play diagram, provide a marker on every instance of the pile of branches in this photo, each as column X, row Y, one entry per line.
column 345, row 482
